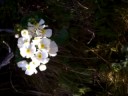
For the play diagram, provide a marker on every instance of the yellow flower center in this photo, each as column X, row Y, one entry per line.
column 25, row 32
column 43, row 31
column 39, row 55
column 42, row 46
column 28, row 51
column 33, row 63
column 28, row 67
column 37, row 25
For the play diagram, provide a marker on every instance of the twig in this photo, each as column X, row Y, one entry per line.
column 7, row 59
column 93, row 36
column 82, row 5
column 9, row 49
column 12, row 82
column 107, row 62
column 72, row 57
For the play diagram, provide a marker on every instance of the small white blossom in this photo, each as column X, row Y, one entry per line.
column 42, row 67
column 23, row 42
column 34, row 27
column 41, row 56
column 28, row 51
column 16, row 35
column 25, row 33
column 39, row 29
column 30, row 69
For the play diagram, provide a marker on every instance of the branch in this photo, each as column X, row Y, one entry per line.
column 7, row 30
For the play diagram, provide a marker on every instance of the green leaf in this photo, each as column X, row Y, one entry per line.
column 62, row 37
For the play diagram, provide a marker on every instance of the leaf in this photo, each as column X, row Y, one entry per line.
column 62, row 37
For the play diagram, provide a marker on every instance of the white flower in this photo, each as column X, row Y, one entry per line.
column 23, row 42
column 25, row 33
column 28, row 51
column 42, row 67
column 34, row 27
column 41, row 56
column 44, row 44
column 22, row 64
column 30, row 69
column 53, row 49
column 38, row 29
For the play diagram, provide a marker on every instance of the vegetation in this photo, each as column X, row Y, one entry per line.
column 92, row 40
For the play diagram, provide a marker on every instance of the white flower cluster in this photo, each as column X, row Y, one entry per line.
column 35, row 45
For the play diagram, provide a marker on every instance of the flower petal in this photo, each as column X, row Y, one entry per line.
column 41, row 22
column 36, row 40
column 48, row 33
column 30, row 24
column 22, row 52
column 35, row 64
column 53, row 49
column 22, row 64
column 42, row 27
column 53, row 54
column 20, row 42
column 27, row 72
column 46, row 60
column 46, row 41
column 44, row 53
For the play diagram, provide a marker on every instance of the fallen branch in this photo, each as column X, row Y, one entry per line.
column 9, row 56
